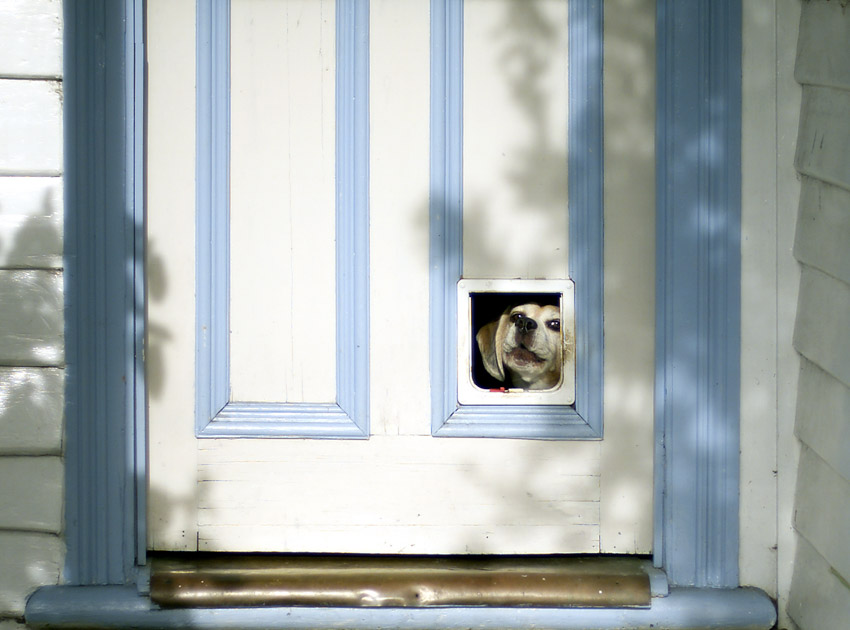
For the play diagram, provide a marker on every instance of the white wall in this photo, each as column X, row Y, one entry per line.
column 820, row 596
column 770, row 279
column 31, row 317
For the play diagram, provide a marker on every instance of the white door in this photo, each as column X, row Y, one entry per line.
column 274, row 253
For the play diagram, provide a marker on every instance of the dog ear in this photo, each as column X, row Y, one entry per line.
column 490, row 339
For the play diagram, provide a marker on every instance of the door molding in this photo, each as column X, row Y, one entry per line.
column 216, row 415
column 584, row 419
column 105, row 466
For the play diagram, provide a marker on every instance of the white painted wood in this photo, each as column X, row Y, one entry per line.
column 402, row 490
column 399, row 179
column 823, row 230
column 823, row 319
column 282, row 308
column 825, row 135
column 31, row 411
column 515, row 139
column 170, row 252
column 823, row 502
column 759, row 279
column 31, row 32
column 823, row 58
column 31, row 212
column 30, row 127
column 31, row 493
column 820, row 599
column 484, row 540
column 31, row 318
column 376, row 496
column 823, row 410
column 629, row 274
column 29, row 561
column 788, row 96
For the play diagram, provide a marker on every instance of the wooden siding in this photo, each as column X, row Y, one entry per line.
column 31, row 32
column 31, row 301
column 820, row 597
column 28, row 561
column 31, row 494
column 821, row 396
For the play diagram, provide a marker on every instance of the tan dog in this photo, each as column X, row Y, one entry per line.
column 525, row 347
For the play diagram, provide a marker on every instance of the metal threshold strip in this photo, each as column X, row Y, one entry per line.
column 231, row 581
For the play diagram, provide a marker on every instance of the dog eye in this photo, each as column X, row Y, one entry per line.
column 554, row 324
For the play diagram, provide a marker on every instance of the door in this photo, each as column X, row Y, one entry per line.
column 290, row 253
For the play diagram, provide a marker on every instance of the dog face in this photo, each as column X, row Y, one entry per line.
column 525, row 347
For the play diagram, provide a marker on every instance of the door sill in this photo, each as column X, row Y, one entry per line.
column 246, row 580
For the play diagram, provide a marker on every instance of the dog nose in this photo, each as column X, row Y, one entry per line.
column 525, row 324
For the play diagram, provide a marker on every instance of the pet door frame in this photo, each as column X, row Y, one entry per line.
column 582, row 420
column 470, row 392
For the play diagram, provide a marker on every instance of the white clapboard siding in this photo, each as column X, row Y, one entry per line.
column 823, row 319
column 30, row 127
column 29, row 560
column 824, row 135
column 824, row 57
column 31, row 493
column 31, row 410
column 823, row 509
column 31, row 32
column 820, row 599
column 31, row 318
column 31, row 222
column 823, row 416
column 823, row 228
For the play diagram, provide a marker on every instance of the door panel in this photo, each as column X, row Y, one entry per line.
column 282, row 265
column 515, row 109
column 401, row 490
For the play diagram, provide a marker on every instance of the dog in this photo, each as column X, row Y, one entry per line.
column 525, row 347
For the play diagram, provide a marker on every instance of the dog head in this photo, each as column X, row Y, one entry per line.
column 524, row 347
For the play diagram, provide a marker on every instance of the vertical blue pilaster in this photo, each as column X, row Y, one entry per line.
column 103, row 291
column 698, row 291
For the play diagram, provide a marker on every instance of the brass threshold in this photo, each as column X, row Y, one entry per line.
column 239, row 580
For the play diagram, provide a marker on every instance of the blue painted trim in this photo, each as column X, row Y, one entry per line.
column 584, row 420
column 216, row 415
column 123, row 607
column 100, row 316
column 212, row 224
column 135, row 100
column 104, row 304
column 698, row 290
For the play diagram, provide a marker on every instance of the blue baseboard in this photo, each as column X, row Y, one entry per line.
column 123, row 607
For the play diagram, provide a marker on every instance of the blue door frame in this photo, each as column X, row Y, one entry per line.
column 698, row 293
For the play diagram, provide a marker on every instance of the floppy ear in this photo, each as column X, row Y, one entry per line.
column 490, row 338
